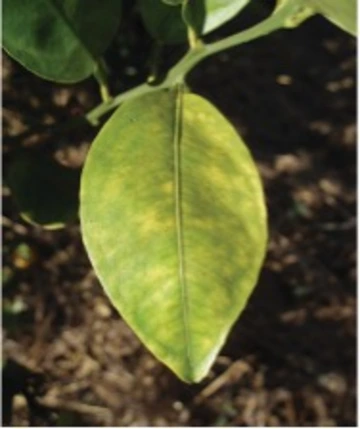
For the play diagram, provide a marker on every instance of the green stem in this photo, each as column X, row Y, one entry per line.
column 274, row 22
column 100, row 75
column 155, row 62
column 94, row 115
column 176, row 75
column 193, row 38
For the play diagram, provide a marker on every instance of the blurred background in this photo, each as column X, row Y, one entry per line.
column 68, row 357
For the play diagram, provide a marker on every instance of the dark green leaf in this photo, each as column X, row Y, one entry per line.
column 59, row 40
column 46, row 192
column 173, row 2
column 163, row 22
column 173, row 218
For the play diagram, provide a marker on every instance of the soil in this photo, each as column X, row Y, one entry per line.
column 69, row 358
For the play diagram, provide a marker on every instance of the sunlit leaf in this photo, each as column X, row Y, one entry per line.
column 173, row 219
column 45, row 191
column 59, row 40
column 207, row 15
column 166, row 23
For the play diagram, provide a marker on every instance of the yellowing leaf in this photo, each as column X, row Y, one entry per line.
column 173, row 218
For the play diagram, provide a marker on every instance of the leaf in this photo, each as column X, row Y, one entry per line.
column 300, row 13
column 172, row 2
column 59, row 40
column 45, row 191
column 166, row 23
column 207, row 15
column 163, row 22
column 173, row 219
column 340, row 12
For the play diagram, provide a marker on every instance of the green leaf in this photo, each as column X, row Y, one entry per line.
column 163, row 22
column 300, row 13
column 207, row 15
column 166, row 24
column 340, row 12
column 45, row 191
column 173, row 218
column 59, row 40
column 173, row 2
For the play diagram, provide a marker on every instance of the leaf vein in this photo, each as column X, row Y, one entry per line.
column 178, row 122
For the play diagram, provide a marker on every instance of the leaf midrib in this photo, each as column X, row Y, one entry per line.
column 178, row 120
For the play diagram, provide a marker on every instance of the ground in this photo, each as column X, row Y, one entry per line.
column 69, row 358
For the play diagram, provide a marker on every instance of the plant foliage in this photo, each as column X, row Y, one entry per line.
column 183, row 194
column 171, row 205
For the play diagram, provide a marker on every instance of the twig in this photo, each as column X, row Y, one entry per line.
column 74, row 406
column 230, row 376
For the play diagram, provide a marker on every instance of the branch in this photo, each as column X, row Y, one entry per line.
column 274, row 22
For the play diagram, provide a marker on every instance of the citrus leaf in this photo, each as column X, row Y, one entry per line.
column 163, row 22
column 301, row 12
column 166, row 24
column 173, row 2
column 207, row 15
column 59, row 40
column 173, row 218
column 45, row 191
column 340, row 12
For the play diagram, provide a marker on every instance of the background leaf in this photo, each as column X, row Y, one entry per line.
column 172, row 2
column 166, row 23
column 46, row 192
column 163, row 22
column 59, row 40
column 207, row 15
column 173, row 218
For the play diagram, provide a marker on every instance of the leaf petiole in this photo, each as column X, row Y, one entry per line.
column 100, row 75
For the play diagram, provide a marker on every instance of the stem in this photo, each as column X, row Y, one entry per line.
column 192, row 38
column 100, row 75
column 94, row 115
column 274, row 22
column 176, row 75
column 154, row 62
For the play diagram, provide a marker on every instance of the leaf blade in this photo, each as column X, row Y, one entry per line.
column 183, row 322
column 45, row 191
column 340, row 13
column 207, row 15
column 162, row 21
column 167, row 24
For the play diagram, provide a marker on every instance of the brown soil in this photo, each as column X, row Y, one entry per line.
column 290, row 358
